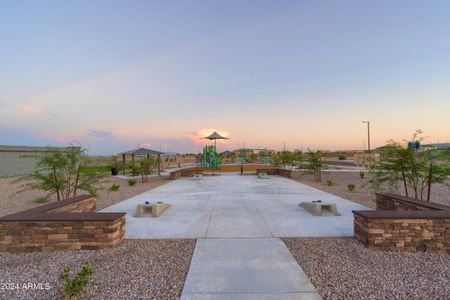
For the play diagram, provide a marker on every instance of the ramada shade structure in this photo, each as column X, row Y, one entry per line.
column 141, row 152
column 215, row 136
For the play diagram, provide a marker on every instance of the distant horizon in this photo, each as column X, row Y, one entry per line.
column 219, row 148
column 112, row 75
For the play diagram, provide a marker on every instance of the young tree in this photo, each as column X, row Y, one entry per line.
column 298, row 158
column 147, row 165
column 314, row 164
column 287, row 158
column 276, row 159
column 58, row 172
column 416, row 170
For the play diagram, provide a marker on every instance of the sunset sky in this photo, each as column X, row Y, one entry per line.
column 114, row 74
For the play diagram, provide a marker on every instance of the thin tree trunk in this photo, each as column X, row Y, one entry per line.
column 56, row 183
column 76, row 182
column 415, row 188
column 430, row 176
column 404, row 184
column 67, row 194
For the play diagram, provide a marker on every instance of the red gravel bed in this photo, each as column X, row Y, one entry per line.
column 342, row 268
column 137, row 269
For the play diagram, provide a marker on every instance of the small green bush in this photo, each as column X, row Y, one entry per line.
column 114, row 188
column 134, row 171
column 74, row 286
column 362, row 174
column 330, row 182
column 351, row 187
column 131, row 182
column 342, row 157
column 42, row 199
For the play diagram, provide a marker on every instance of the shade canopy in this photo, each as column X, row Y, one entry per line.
column 141, row 151
column 215, row 136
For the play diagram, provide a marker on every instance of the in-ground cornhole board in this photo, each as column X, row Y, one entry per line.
column 317, row 208
column 154, row 209
column 197, row 176
column 263, row 176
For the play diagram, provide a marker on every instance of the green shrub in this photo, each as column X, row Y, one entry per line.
column 131, row 182
column 342, row 157
column 114, row 188
column 351, row 187
column 42, row 199
column 330, row 182
column 134, row 171
column 362, row 174
column 95, row 169
column 74, row 286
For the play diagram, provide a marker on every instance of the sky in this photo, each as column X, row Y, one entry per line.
column 113, row 75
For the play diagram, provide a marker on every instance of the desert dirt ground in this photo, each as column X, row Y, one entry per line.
column 363, row 192
column 137, row 269
column 342, row 268
column 12, row 200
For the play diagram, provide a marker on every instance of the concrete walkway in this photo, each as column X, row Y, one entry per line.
column 258, row 268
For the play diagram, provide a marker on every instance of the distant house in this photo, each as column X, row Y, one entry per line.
column 21, row 160
column 227, row 153
column 437, row 146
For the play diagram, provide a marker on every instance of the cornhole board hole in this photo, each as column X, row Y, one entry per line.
column 197, row 177
column 151, row 210
column 320, row 208
column 263, row 176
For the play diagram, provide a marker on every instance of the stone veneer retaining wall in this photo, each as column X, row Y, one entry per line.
column 189, row 172
column 277, row 171
column 67, row 225
column 404, row 224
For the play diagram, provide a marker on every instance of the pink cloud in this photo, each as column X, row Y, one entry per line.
column 29, row 108
column 197, row 137
column 35, row 106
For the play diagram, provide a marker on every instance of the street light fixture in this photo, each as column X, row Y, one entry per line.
column 368, row 135
column 368, row 142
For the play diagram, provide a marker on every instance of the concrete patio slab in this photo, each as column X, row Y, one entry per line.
column 230, row 205
column 261, row 268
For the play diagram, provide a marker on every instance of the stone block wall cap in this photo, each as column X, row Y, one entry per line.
column 61, row 217
column 422, row 203
column 403, row 214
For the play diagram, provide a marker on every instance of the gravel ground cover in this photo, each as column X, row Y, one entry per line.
column 342, row 268
column 12, row 202
column 363, row 193
column 137, row 269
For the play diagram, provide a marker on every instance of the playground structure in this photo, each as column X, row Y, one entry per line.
column 241, row 161
column 211, row 159
column 265, row 157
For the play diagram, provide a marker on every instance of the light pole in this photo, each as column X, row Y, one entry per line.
column 368, row 142
column 368, row 135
